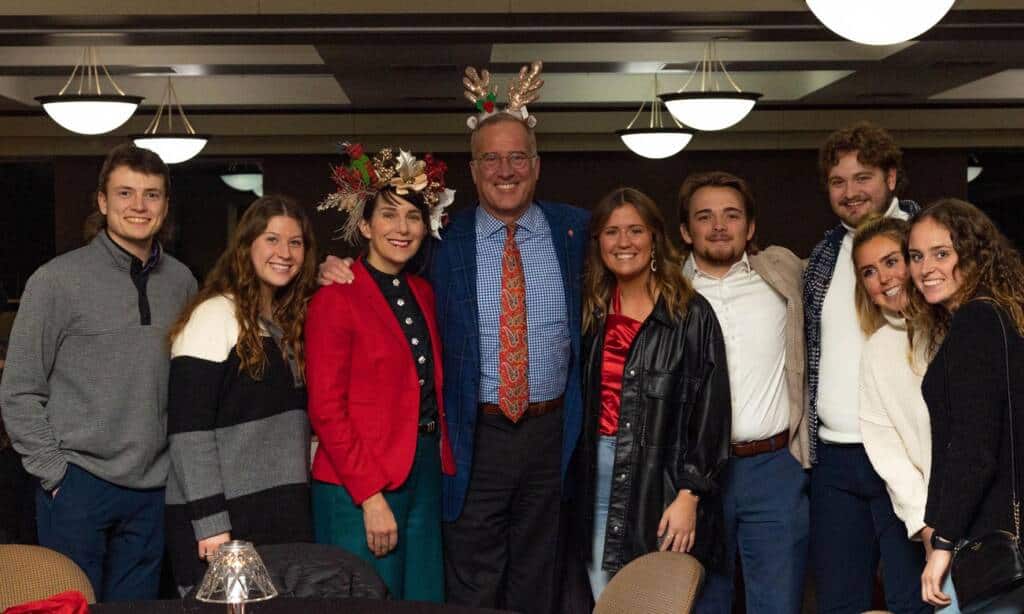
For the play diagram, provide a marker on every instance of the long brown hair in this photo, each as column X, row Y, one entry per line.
column 987, row 263
column 667, row 280
column 234, row 276
column 874, row 225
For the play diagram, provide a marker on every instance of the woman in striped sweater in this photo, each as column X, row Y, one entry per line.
column 237, row 424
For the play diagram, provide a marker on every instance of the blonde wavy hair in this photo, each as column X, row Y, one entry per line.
column 233, row 275
column 667, row 281
column 874, row 225
column 989, row 266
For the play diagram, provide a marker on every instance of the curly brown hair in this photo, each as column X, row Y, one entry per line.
column 598, row 281
column 989, row 267
column 233, row 275
column 873, row 144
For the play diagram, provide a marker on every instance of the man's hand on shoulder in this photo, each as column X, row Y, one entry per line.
column 334, row 270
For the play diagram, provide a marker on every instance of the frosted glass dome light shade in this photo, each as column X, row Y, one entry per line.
column 710, row 111
column 655, row 143
column 90, row 114
column 172, row 148
column 244, row 182
column 879, row 22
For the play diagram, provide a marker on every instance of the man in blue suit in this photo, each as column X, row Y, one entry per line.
column 502, row 507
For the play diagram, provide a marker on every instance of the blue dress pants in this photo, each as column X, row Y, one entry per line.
column 853, row 526
column 765, row 516
column 115, row 534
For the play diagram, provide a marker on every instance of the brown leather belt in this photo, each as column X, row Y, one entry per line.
column 533, row 410
column 753, row 448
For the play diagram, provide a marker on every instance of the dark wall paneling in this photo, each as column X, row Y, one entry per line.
column 26, row 222
column 792, row 207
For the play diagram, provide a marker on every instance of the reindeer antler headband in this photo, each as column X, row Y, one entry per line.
column 522, row 90
column 363, row 178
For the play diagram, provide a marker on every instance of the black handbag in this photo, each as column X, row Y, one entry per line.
column 992, row 564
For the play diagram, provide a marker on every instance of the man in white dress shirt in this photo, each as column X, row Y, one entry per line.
column 852, row 521
column 756, row 297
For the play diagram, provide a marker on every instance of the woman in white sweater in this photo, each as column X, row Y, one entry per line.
column 893, row 416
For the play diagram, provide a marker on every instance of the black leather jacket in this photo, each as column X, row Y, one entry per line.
column 674, row 433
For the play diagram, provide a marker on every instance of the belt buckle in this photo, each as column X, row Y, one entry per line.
column 428, row 427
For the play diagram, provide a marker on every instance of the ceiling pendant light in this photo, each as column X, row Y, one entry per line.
column 974, row 167
column 172, row 147
column 655, row 141
column 89, row 113
column 879, row 22
column 710, row 108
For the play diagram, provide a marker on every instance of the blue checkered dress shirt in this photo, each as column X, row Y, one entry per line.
column 547, row 324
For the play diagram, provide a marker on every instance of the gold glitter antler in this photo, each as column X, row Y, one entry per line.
column 477, row 85
column 525, row 88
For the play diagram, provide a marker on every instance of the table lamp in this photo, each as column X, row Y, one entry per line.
column 236, row 576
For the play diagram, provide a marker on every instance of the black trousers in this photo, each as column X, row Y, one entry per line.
column 501, row 551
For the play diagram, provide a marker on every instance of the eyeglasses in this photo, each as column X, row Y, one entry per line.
column 518, row 160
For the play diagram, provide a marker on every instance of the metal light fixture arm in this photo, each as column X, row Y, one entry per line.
column 90, row 74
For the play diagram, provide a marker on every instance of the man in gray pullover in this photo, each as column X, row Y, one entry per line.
column 84, row 391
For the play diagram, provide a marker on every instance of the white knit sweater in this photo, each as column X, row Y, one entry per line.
column 894, row 422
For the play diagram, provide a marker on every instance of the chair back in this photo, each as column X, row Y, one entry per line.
column 656, row 583
column 29, row 573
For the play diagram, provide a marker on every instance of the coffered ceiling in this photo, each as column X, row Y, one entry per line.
column 296, row 75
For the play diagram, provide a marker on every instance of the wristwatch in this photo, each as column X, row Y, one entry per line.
column 942, row 544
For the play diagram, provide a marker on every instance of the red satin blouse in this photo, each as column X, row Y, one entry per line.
column 619, row 333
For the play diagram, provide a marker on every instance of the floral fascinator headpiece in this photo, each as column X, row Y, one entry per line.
column 363, row 177
column 522, row 90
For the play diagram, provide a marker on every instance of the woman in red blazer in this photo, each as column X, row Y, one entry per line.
column 373, row 360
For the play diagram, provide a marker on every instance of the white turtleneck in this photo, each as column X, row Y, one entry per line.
column 841, row 345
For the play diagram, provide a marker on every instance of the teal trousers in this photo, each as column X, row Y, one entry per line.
column 414, row 570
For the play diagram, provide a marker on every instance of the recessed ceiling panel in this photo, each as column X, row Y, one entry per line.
column 568, row 88
column 221, row 90
column 728, row 51
column 162, row 55
column 1005, row 85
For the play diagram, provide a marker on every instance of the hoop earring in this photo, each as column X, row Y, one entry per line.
column 654, row 263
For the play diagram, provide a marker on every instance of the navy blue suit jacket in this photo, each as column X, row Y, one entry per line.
column 453, row 275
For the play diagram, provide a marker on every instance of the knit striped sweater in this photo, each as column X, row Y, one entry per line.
column 239, row 447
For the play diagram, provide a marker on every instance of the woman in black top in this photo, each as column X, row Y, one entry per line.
column 656, row 396
column 969, row 278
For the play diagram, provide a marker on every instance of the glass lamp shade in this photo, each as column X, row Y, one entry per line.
column 879, row 22
column 710, row 111
column 90, row 114
column 236, row 576
column 172, row 148
column 973, row 171
column 244, row 182
column 655, row 143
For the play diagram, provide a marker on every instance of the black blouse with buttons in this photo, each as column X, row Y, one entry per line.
column 399, row 297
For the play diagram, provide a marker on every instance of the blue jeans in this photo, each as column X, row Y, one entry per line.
column 852, row 526
column 765, row 516
column 603, row 492
column 115, row 534
column 1011, row 603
